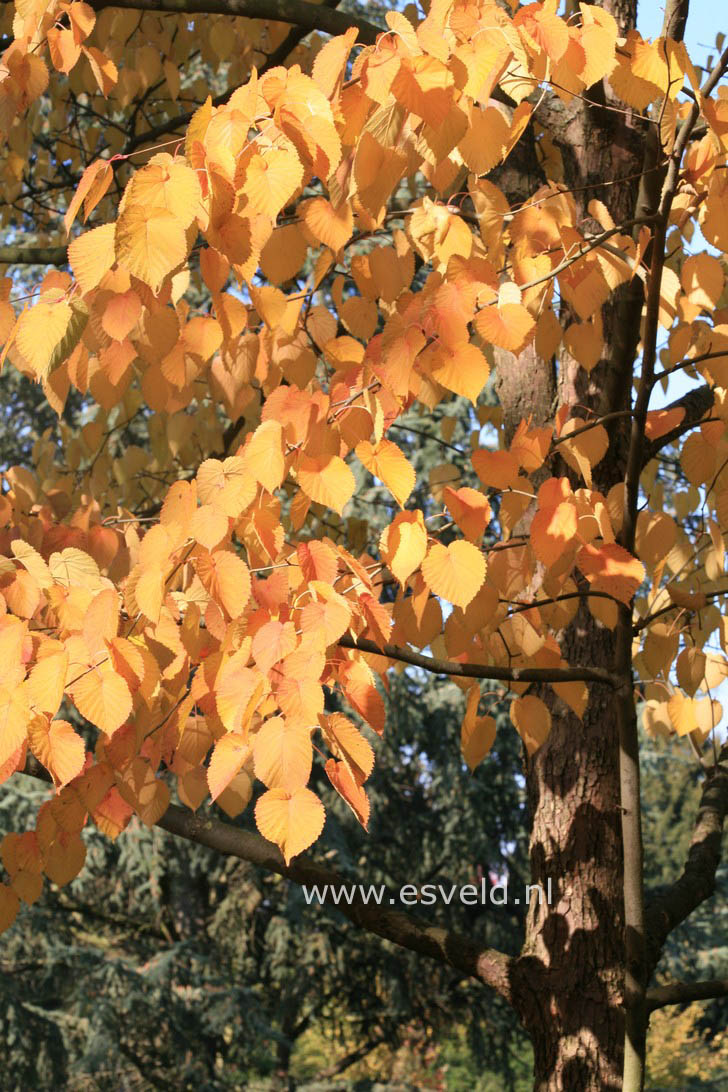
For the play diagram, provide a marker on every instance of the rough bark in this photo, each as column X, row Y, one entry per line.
column 568, row 984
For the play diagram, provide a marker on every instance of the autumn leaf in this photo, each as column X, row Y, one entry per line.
column 532, row 721
column 477, row 734
column 292, row 820
column 455, row 572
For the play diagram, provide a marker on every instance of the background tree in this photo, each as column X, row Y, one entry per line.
column 482, row 188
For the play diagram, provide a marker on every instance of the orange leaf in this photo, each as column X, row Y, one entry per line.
column 477, row 734
column 611, row 568
column 327, row 480
column 58, row 746
column 532, row 721
column 509, row 327
column 349, row 789
column 331, row 226
column 283, row 754
column 348, row 744
column 553, row 530
column 470, row 510
column 387, row 462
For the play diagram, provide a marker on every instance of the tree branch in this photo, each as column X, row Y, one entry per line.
column 481, row 671
column 696, row 404
column 670, row 906
column 488, row 965
column 278, row 56
column 408, row 931
column 681, row 993
column 298, row 12
column 33, row 255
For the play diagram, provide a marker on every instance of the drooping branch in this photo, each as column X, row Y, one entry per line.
column 672, row 905
column 33, row 255
column 682, row 993
column 297, row 12
column 481, row 671
column 488, row 965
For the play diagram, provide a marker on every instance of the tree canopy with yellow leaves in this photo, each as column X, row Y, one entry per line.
column 283, row 239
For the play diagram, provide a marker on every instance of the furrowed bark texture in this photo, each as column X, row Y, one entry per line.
column 568, row 984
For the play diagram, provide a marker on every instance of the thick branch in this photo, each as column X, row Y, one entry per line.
column 682, row 993
column 671, row 906
column 298, row 12
column 33, row 255
column 488, row 965
column 481, row 671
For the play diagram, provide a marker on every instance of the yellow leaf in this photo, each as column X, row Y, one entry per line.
column 14, row 718
column 166, row 183
column 39, row 331
column 150, row 243
column 682, row 713
column 229, row 756
column 403, row 544
column 91, row 255
column 264, row 455
column 102, row 697
column 227, row 485
column 293, row 821
column 75, row 568
column 455, row 572
column 585, row 450
column 477, row 734
column 226, row 578
column 47, row 679
column 326, row 480
column 387, row 462
column 271, row 180
column 532, row 721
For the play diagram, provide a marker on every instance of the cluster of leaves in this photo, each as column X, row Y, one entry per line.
column 225, row 970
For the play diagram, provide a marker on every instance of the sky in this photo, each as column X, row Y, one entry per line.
column 701, row 30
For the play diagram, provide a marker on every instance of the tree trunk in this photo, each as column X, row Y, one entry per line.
column 568, row 982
